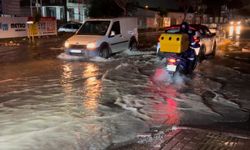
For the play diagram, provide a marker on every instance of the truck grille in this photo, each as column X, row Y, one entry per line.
column 78, row 46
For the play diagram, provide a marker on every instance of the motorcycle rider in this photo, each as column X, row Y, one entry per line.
column 189, row 54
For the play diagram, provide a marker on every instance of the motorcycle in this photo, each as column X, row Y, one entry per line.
column 179, row 52
column 178, row 63
column 182, row 63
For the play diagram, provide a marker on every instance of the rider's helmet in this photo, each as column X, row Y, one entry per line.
column 184, row 27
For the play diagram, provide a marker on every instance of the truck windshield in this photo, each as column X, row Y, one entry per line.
column 94, row 28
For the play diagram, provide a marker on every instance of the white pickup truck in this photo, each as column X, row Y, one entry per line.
column 102, row 37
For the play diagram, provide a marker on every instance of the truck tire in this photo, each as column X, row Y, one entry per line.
column 104, row 52
column 133, row 45
column 202, row 53
column 214, row 50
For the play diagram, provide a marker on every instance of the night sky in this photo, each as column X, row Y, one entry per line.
column 164, row 4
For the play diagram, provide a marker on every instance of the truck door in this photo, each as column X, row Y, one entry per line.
column 116, row 39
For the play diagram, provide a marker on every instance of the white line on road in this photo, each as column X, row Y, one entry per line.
column 7, row 80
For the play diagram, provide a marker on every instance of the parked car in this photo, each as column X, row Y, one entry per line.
column 69, row 27
column 207, row 39
column 102, row 37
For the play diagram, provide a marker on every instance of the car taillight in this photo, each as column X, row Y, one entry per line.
column 196, row 39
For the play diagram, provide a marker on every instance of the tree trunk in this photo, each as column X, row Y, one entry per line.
column 185, row 13
column 123, row 5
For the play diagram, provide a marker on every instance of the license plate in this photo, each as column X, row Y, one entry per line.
column 76, row 51
column 171, row 67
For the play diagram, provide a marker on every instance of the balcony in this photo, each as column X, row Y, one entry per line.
column 76, row 1
column 53, row 2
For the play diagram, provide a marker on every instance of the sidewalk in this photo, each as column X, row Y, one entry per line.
column 15, row 42
column 183, row 138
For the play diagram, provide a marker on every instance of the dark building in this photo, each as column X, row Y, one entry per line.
column 14, row 8
column 1, row 9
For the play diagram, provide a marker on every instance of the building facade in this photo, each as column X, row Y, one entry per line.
column 47, row 8
column 75, row 9
column 14, row 8
column 1, row 8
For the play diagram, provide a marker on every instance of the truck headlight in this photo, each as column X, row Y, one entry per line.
column 239, row 22
column 91, row 46
column 231, row 23
column 66, row 44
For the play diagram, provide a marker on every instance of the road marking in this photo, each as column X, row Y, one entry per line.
column 7, row 80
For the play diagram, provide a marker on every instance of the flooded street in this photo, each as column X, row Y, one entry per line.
column 49, row 103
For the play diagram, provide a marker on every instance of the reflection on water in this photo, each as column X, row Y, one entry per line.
column 90, row 90
column 66, row 77
column 92, row 87
column 235, row 33
column 166, row 112
column 231, row 32
column 169, row 113
column 238, row 30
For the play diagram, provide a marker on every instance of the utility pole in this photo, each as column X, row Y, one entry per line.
column 65, row 10
column 37, row 6
column 31, row 9
column 79, row 10
column 41, row 6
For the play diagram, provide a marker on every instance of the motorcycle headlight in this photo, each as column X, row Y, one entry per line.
column 66, row 44
column 91, row 46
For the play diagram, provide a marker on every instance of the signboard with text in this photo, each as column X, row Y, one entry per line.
column 46, row 26
column 11, row 27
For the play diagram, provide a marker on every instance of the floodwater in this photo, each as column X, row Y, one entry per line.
column 53, row 103
column 72, row 103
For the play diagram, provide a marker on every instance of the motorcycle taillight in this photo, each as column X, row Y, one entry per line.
column 171, row 60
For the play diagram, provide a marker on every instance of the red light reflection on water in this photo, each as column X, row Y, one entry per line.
column 160, row 74
column 165, row 112
column 173, row 116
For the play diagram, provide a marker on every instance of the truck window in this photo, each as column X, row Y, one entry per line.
column 116, row 28
column 94, row 28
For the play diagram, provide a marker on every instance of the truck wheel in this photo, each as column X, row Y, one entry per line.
column 214, row 50
column 133, row 45
column 202, row 54
column 104, row 52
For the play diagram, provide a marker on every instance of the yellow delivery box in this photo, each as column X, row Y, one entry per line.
column 173, row 43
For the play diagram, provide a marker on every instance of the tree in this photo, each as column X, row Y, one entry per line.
column 235, row 4
column 110, row 8
column 186, row 5
column 123, row 5
column 214, row 6
column 104, row 8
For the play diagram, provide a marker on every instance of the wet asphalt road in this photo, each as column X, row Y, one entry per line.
column 46, row 103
